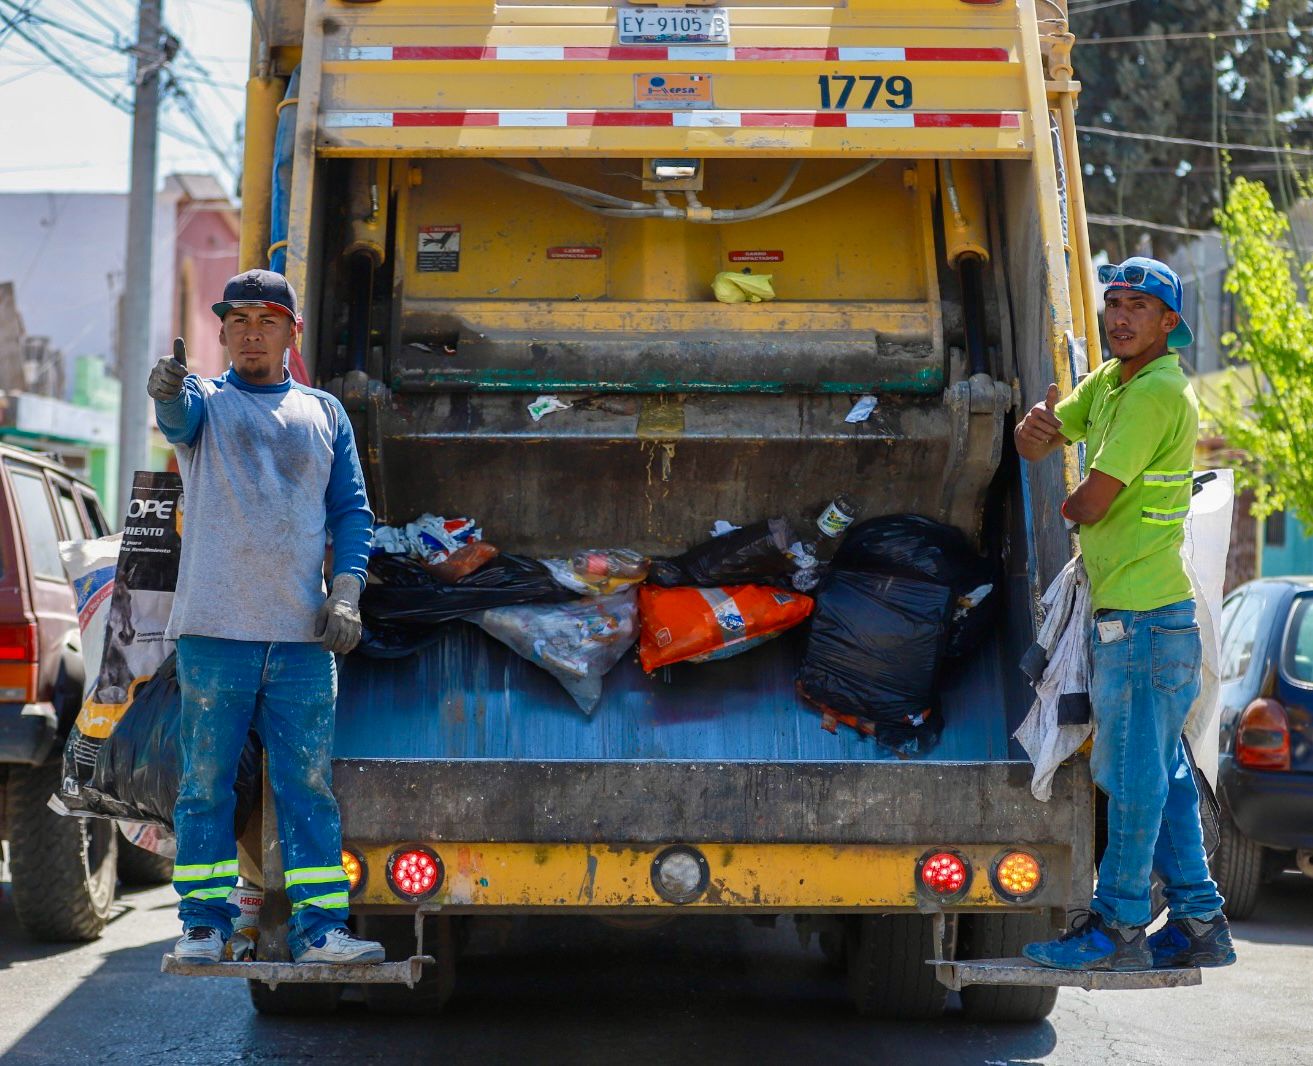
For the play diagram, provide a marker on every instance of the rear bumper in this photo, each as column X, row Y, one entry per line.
column 776, row 836
column 1272, row 807
column 28, row 732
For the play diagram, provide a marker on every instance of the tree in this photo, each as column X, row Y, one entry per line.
column 1235, row 89
column 1264, row 408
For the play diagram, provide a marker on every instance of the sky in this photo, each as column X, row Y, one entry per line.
column 57, row 135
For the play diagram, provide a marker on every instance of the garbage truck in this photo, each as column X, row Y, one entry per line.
column 483, row 204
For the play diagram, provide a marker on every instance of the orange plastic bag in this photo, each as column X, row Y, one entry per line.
column 697, row 624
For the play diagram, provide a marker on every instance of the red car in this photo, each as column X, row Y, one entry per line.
column 64, row 870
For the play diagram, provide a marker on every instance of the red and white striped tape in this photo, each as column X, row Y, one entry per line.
column 689, row 119
column 671, row 53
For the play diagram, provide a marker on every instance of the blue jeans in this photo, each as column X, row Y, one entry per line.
column 286, row 693
column 1143, row 684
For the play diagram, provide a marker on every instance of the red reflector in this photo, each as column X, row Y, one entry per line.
column 1263, row 737
column 18, row 644
column 414, row 872
column 944, row 873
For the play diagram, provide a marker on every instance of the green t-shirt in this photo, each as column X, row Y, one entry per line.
column 1143, row 434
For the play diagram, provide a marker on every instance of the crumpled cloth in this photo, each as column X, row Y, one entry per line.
column 1064, row 636
column 1061, row 657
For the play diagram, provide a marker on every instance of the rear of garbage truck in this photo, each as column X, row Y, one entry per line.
column 485, row 204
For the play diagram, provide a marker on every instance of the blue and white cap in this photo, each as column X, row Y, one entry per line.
column 1153, row 278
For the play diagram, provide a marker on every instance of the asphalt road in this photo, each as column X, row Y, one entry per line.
column 702, row 990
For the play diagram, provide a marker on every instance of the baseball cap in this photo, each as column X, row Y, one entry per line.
column 1153, row 278
column 258, row 288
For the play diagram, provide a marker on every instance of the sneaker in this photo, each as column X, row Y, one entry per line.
column 342, row 945
column 1090, row 943
column 1185, row 942
column 200, row 943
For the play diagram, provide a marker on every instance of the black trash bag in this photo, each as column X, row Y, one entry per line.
column 873, row 653
column 752, row 555
column 907, row 545
column 403, row 610
column 139, row 768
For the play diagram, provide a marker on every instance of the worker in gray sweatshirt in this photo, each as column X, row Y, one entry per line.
column 270, row 475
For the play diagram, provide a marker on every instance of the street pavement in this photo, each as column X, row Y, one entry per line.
column 699, row 990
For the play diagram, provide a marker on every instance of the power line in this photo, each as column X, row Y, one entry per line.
column 1118, row 221
column 1201, row 35
column 1267, row 148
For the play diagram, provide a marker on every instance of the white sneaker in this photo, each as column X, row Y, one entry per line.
column 341, row 945
column 201, row 943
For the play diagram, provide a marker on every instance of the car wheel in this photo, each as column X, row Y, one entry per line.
column 65, row 869
column 1237, row 868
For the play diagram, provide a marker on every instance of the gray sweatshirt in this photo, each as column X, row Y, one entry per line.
column 269, row 474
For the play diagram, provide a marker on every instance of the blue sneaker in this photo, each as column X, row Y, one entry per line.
column 1185, row 942
column 1090, row 943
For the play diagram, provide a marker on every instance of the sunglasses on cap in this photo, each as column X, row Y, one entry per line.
column 1132, row 274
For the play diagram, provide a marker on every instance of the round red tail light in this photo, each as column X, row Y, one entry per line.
column 946, row 875
column 414, row 873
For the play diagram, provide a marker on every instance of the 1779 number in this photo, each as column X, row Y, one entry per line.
column 837, row 91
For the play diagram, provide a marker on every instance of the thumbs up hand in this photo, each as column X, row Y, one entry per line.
column 1040, row 432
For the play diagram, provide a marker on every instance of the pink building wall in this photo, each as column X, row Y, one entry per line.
column 205, row 256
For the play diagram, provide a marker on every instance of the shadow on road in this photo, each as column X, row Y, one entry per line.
column 564, row 990
column 17, row 947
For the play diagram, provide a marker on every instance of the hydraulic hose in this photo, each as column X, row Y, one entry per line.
column 616, row 207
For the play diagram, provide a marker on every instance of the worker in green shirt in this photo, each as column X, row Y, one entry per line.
column 1139, row 418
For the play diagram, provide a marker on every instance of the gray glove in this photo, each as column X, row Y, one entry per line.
column 337, row 625
column 165, row 381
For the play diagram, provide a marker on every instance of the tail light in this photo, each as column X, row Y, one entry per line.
column 354, row 868
column 1263, row 737
column 944, row 875
column 1016, row 876
column 18, row 663
column 415, row 873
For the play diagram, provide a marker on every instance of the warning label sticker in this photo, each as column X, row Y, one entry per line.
column 672, row 90
column 574, row 251
column 439, row 250
column 757, row 255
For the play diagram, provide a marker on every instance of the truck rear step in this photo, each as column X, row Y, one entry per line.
column 958, row 974
column 406, row 973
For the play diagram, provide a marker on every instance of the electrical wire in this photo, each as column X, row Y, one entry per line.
column 1119, row 221
column 1229, row 145
column 1200, row 35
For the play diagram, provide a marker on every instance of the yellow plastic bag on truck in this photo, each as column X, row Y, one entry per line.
column 735, row 288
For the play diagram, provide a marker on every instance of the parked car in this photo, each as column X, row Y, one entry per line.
column 64, row 870
column 1265, row 768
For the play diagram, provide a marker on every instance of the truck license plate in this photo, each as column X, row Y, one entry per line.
column 674, row 25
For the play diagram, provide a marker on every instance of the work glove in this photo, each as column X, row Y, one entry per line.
column 167, row 376
column 337, row 625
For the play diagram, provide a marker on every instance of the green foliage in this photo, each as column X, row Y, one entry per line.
column 1265, row 407
column 1236, row 89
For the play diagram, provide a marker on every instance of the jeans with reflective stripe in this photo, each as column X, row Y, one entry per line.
column 286, row 692
column 1143, row 684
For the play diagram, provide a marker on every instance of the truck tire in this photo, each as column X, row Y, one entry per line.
column 1237, row 867
column 293, row 999
column 64, row 869
column 397, row 935
column 1002, row 936
column 887, row 972
column 139, row 867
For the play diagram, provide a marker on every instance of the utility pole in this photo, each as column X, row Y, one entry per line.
column 135, row 354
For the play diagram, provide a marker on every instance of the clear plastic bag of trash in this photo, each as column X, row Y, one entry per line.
column 577, row 643
column 732, row 287
column 599, row 571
